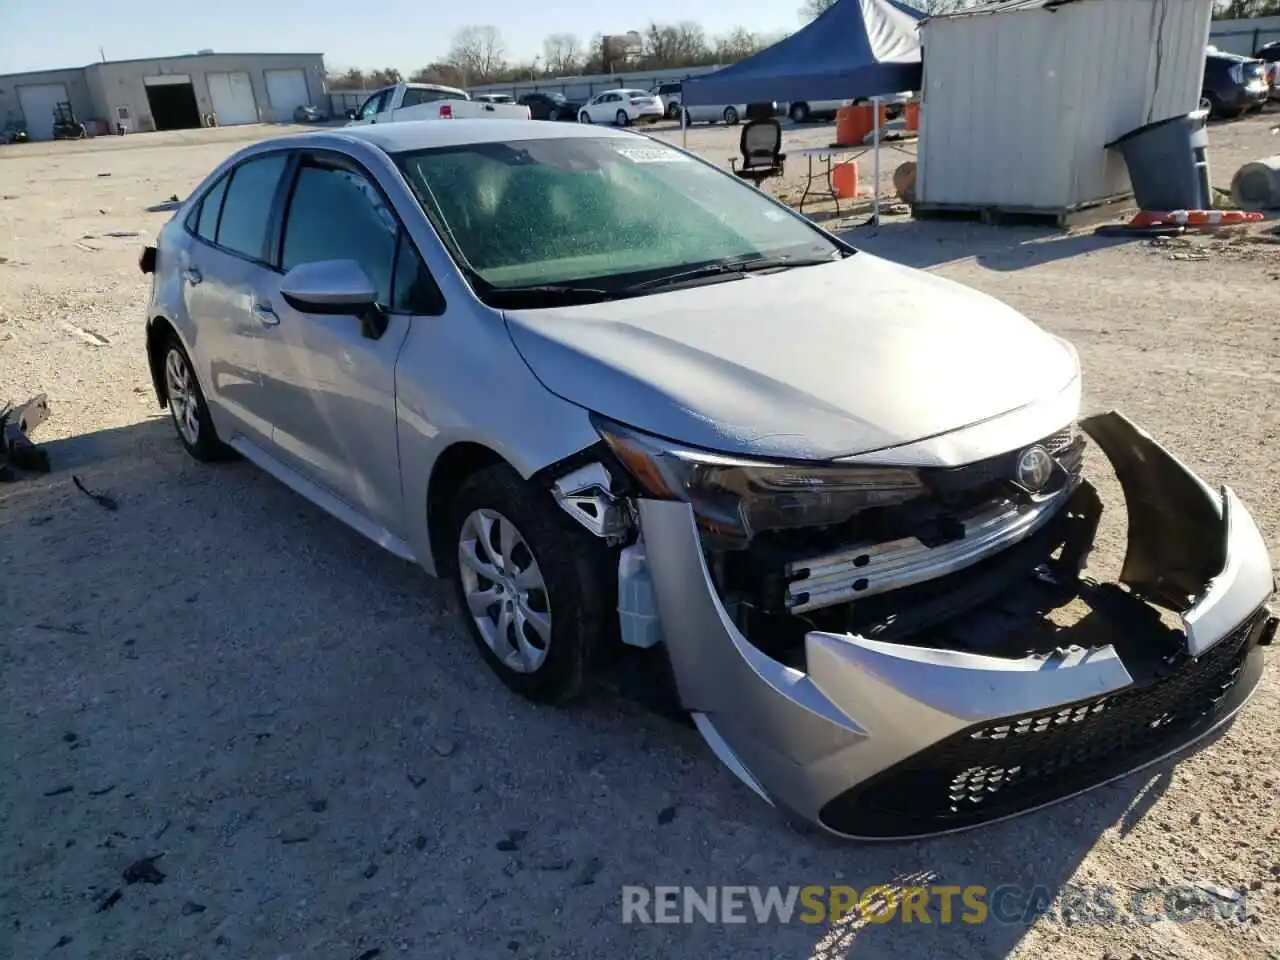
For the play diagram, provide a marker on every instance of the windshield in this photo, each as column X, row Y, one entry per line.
column 607, row 212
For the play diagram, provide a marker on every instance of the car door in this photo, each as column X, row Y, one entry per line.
column 330, row 387
column 221, row 269
column 371, row 108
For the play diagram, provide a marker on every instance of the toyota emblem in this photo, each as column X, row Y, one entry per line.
column 1035, row 468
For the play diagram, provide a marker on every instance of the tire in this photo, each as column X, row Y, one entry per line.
column 187, row 407
column 798, row 112
column 1211, row 102
column 730, row 116
column 561, row 573
column 584, row 117
column 621, row 119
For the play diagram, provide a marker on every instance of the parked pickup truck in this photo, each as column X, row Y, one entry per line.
column 428, row 101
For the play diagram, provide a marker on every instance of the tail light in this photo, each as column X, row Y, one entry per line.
column 147, row 262
column 446, row 112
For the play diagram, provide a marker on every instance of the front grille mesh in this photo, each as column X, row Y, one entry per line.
column 1018, row 763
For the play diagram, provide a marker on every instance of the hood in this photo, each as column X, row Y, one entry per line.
column 810, row 363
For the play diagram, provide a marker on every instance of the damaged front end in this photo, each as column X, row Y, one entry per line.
column 895, row 652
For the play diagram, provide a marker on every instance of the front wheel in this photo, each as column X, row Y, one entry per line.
column 730, row 116
column 531, row 584
column 622, row 119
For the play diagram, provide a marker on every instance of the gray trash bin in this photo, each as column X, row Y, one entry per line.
column 1168, row 163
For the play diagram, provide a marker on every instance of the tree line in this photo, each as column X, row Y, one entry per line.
column 478, row 55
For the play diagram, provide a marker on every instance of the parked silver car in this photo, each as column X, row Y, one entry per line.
column 622, row 399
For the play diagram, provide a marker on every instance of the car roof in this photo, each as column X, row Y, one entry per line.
column 425, row 134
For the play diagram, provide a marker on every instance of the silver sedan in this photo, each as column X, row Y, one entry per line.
column 622, row 399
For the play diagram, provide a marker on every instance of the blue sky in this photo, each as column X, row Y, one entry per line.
column 44, row 34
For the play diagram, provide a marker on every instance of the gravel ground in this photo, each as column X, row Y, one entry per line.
column 215, row 674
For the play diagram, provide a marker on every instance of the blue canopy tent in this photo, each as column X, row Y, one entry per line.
column 856, row 49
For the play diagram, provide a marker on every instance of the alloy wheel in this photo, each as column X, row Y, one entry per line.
column 505, row 593
column 184, row 403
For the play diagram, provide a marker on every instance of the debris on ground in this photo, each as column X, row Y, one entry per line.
column 166, row 206
column 88, row 336
column 104, row 500
column 587, row 875
column 17, row 452
column 144, row 871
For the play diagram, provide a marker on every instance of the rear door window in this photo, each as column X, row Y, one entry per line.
column 413, row 97
column 246, row 209
column 206, row 220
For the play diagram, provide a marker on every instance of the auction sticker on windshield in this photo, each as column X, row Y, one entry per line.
column 652, row 155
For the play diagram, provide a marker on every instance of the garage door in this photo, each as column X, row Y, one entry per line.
column 232, row 97
column 37, row 102
column 287, row 89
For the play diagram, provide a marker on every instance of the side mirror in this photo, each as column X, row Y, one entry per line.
column 335, row 288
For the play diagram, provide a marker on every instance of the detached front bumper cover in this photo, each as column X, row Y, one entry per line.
column 879, row 740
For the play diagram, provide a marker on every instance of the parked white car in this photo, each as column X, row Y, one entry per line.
column 622, row 107
column 429, row 101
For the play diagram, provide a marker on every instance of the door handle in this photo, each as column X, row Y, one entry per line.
column 192, row 275
column 265, row 315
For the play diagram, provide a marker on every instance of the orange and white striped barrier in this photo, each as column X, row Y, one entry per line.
column 1193, row 218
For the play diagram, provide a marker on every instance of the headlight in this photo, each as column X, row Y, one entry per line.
column 736, row 498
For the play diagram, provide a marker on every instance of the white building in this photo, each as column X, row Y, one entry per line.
column 1021, row 97
column 170, row 93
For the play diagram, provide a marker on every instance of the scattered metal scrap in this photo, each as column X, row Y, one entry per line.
column 17, row 452
column 91, row 337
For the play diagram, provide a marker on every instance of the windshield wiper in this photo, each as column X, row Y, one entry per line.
column 546, row 294
column 727, row 269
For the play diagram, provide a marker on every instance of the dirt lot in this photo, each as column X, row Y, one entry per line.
column 216, row 674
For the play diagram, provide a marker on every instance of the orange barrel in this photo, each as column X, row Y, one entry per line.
column 844, row 179
column 853, row 124
column 913, row 116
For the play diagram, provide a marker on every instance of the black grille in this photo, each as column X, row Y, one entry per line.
column 1018, row 763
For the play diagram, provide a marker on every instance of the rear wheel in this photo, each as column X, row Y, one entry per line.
column 531, row 584
column 621, row 118
column 730, row 116
column 187, row 406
